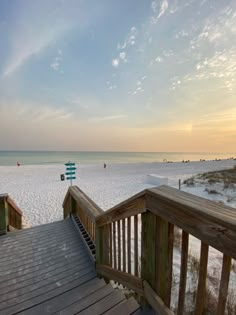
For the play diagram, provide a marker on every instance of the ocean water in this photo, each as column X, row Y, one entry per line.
column 60, row 157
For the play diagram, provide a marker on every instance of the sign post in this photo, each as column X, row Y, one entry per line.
column 70, row 171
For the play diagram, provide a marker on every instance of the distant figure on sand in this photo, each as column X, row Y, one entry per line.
column 104, row 165
column 18, row 164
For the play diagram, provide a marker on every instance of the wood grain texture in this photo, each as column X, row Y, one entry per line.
column 224, row 283
column 130, row 281
column 201, row 290
column 155, row 301
column 183, row 272
column 136, row 262
column 210, row 222
column 170, row 263
column 149, row 249
column 132, row 206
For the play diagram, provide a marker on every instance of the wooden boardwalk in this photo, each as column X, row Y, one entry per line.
column 47, row 270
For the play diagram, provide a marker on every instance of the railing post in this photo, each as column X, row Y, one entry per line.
column 154, row 260
column 3, row 214
column 102, row 245
column 72, row 205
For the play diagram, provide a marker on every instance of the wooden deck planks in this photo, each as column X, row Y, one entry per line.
column 46, row 269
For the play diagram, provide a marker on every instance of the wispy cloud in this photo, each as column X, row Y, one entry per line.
column 159, row 9
column 33, row 112
column 107, row 118
column 27, row 44
column 56, row 64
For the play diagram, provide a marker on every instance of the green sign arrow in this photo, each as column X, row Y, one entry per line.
column 71, row 168
column 72, row 177
column 70, row 173
column 69, row 164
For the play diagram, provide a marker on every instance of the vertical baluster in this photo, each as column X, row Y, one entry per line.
column 224, row 283
column 170, row 263
column 202, row 280
column 110, row 244
column 114, row 244
column 124, row 245
column 183, row 272
column 119, row 246
column 129, row 244
column 162, row 242
column 136, row 245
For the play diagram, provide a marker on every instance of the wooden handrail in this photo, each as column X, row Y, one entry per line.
column 134, row 242
column 210, row 222
column 14, row 205
column 130, row 207
column 10, row 214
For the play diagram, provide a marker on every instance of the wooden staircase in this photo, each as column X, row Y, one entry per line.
column 47, row 270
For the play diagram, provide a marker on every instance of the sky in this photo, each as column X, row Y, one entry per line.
column 109, row 75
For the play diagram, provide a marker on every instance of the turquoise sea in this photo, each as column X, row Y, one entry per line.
column 60, row 157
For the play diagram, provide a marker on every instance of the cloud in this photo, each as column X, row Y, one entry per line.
column 56, row 64
column 130, row 39
column 107, row 118
column 115, row 63
column 160, row 9
column 33, row 112
column 123, row 55
column 159, row 59
column 27, row 44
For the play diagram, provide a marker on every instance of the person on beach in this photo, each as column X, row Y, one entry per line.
column 18, row 164
column 104, row 165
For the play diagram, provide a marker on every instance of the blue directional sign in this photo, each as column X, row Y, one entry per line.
column 70, row 171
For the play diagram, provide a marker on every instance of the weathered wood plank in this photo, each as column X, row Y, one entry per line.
column 80, row 297
column 201, row 291
column 84, row 202
column 192, row 215
column 183, row 272
column 224, row 283
column 83, row 299
column 3, row 214
column 119, row 245
column 104, row 304
column 30, row 295
column 132, row 206
column 28, row 280
column 170, row 263
column 25, row 287
column 110, row 244
column 136, row 245
column 114, row 245
column 124, row 278
column 38, row 271
column 124, row 245
column 155, row 301
column 129, row 243
column 21, row 307
column 126, row 307
column 162, row 257
column 149, row 249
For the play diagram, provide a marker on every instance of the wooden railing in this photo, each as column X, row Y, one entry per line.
column 135, row 244
column 76, row 201
column 10, row 214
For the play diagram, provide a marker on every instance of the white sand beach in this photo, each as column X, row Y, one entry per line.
column 39, row 192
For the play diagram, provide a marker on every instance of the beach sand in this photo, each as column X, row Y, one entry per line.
column 39, row 192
